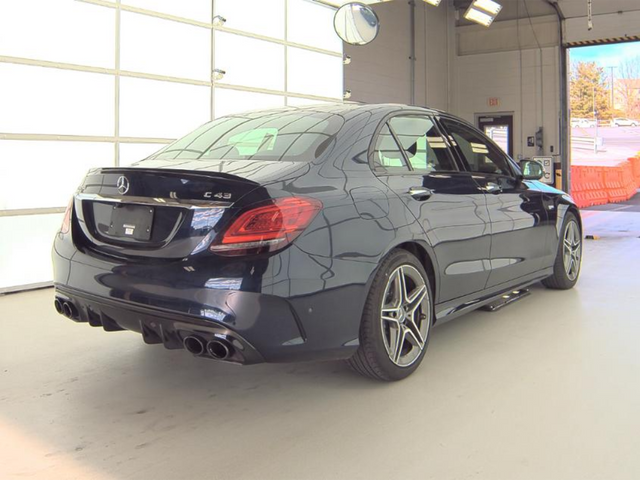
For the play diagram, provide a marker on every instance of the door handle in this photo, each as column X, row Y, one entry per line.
column 491, row 187
column 420, row 193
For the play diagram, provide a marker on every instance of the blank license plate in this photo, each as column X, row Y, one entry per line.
column 131, row 221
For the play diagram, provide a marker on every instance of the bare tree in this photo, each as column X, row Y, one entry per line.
column 628, row 87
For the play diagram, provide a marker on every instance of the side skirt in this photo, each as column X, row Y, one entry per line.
column 454, row 308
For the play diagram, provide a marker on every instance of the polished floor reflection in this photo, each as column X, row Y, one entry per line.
column 545, row 388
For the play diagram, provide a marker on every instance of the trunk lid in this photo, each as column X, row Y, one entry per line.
column 163, row 212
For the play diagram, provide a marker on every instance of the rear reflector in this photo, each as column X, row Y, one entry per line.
column 66, row 221
column 269, row 227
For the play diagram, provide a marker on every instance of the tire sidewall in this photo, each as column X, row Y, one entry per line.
column 566, row 282
column 376, row 345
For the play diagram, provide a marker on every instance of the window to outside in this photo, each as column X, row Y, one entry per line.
column 387, row 154
column 479, row 154
column 424, row 146
column 300, row 137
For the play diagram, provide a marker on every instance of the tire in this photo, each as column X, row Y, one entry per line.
column 378, row 356
column 565, row 277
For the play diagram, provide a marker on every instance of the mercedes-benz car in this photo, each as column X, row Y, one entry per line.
column 313, row 233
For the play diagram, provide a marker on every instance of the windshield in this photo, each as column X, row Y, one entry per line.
column 275, row 136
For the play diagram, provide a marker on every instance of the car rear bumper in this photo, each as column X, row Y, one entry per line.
column 155, row 325
column 167, row 303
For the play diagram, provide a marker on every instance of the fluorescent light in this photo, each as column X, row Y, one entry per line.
column 339, row 3
column 435, row 3
column 478, row 16
column 488, row 6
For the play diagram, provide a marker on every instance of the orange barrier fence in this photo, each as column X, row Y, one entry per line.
column 600, row 185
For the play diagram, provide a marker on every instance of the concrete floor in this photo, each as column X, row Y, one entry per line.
column 547, row 388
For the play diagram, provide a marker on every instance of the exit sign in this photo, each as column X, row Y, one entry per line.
column 493, row 102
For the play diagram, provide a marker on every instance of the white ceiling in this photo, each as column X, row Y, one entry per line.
column 512, row 9
column 578, row 8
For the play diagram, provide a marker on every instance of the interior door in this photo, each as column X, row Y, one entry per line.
column 517, row 212
column 413, row 159
column 498, row 128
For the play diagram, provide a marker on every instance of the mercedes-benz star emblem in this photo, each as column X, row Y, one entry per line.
column 123, row 185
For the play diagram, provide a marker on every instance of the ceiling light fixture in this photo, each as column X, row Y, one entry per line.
column 488, row 6
column 483, row 12
column 435, row 3
column 339, row 3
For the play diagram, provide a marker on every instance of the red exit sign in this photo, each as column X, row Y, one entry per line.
column 493, row 102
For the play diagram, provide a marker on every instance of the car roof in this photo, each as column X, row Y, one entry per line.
column 344, row 109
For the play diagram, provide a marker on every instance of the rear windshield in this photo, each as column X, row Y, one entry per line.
column 275, row 136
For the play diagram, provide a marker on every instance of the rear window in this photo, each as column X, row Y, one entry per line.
column 276, row 136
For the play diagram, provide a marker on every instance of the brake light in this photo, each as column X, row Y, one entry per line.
column 269, row 227
column 66, row 221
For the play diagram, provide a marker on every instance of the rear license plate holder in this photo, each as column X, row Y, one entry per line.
column 131, row 221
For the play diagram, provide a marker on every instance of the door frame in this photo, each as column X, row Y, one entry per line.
column 497, row 115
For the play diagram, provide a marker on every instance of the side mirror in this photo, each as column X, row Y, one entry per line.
column 531, row 170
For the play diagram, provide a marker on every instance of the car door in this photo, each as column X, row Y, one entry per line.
column 413, row 159
column 517, row 212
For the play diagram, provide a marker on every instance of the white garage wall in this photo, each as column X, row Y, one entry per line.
column 86, row 83
column 504, row 62
column 380, row 72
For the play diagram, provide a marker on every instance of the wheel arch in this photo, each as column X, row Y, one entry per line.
column 421, row 253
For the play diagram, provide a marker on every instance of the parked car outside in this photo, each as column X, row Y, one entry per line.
column 624, row 122
column 583, row 122
column 312, row 233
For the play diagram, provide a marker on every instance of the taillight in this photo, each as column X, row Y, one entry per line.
column 66, row 221
column 269, row 227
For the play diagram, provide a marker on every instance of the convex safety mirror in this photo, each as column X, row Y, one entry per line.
column 356, row 23
column 532, row 170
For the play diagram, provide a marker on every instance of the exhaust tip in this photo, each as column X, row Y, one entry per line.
column 68, row 310
column 218, row 349
column 57, row 304
column 193, row 345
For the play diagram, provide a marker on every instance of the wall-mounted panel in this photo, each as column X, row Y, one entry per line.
column 264, row 17
column 156, row 109
column 311, row 23
column 249, row 62
column 26, row 251
column 55, row 101
column 234, row 101
column 50, row 30
column 45, row 174
column 314, row 73
column 199, row 10
column 164, row 47
column 133, row 152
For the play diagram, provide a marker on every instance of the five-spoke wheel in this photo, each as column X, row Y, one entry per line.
column 404, row 324
column 397, row 319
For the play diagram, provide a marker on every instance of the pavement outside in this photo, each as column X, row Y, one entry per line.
column 620, row 143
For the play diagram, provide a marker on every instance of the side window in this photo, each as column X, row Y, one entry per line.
column 422, row 143
column 387, row 154
column 480, row 155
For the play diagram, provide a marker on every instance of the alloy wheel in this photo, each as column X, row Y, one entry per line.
column 572, row 250
column 405, row 315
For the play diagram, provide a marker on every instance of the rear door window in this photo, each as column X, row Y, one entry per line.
column 387, row 156
column 422, row 143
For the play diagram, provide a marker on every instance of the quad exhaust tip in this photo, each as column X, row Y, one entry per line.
column 219, row 349
column 65, row 308
column 194, row 345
